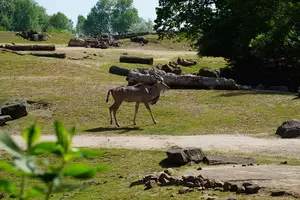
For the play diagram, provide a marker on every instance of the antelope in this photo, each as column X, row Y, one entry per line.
column 139, row 93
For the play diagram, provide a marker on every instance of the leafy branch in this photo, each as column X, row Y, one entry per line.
column 26, row 163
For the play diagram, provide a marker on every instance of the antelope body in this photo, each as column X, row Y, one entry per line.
column 139, row 93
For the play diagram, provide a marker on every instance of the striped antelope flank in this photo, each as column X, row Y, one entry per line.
column 139, row 93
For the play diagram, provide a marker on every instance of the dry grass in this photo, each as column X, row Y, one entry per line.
column 75, row 91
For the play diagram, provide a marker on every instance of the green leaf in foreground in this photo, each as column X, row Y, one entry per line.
column 10, row 168
column 6, row 186
column 79, row 171
column 31, row 135
column 46, row 147
column 34, row 192
column 7, row 143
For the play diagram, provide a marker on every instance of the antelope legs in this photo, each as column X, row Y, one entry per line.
column 136, row 110
column 148, row 108
column 113, row 111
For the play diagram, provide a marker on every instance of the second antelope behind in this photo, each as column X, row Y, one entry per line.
column 139, row 93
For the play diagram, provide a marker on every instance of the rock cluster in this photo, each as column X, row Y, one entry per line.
column 33, row 35
column 193, row 183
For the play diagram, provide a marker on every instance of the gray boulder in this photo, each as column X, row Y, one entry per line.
column 182, row 156
column 77, row 42
column 208, row 72
column 15, row 111
column 289, row 129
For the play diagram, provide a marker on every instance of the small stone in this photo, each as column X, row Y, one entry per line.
column 219, row 183
column 191, row 163
column 284, row 163
column 234, row 188
column 150, row 184
column 4, row 119
column 169, row 171
column 172, row 195
column 252, row 189
column 241, row 190
column 199, row 168
column 189, row 184
column 183, row 190
column 244, row 165
column 211, row 198
column 277, row 193
column 227, row 186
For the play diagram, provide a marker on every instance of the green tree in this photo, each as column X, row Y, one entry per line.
column 26, row 16
column 7, row 9
column 60, row 21
column 80, row 25
column 124, row 15
column 142, row 26
column 99, row 19
column 254, row 34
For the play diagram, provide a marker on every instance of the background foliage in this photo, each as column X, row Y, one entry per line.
column 257, row 36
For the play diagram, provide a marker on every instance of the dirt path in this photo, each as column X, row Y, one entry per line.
column 285, row 178
column 225, row 143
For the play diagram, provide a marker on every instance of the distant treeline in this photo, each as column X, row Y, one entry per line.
column 106, row 17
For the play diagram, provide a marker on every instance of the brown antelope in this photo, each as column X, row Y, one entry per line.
column 139, row 93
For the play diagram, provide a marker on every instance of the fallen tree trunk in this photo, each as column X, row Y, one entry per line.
column 118, row 71
column 48, row 54
column 140, row 60
column 183, row 81
column 30, row 47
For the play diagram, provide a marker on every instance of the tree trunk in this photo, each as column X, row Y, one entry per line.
column 183, row 81
column 140, row 60
column 30, row 47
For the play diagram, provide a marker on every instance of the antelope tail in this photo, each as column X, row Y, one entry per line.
column 107, row 98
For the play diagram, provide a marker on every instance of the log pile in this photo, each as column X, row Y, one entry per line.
column 102, row 42
column 183, row 81
column 33, row 36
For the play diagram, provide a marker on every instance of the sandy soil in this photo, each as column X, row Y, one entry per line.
column 224, row 143
column 271, row 177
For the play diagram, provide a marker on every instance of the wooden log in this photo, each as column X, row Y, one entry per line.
column 39, row 54
column 50, row 55
column 147, row 76
column 118, row 71
column 30, row 47
column 140, row 60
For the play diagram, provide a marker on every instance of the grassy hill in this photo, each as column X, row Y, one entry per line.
column 55, row 38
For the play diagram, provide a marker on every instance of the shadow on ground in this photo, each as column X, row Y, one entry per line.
column 107, row 129
column 166, row 163
column 255, row 92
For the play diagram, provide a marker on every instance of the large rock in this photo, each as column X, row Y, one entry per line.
column 208, row 72
column 289, row 129
column 15, row 111
column 182, row 156
column 169, row 68
column 77, row 42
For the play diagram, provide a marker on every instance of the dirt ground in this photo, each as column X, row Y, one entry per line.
column 269, row 177
column 220, row 143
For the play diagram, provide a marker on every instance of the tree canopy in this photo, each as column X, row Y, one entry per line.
column 111, row 17
column 265, row 32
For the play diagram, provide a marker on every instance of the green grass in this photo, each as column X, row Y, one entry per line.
column 126, row 166
column 9, row 37
column 76, row 93
column 154, row 43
